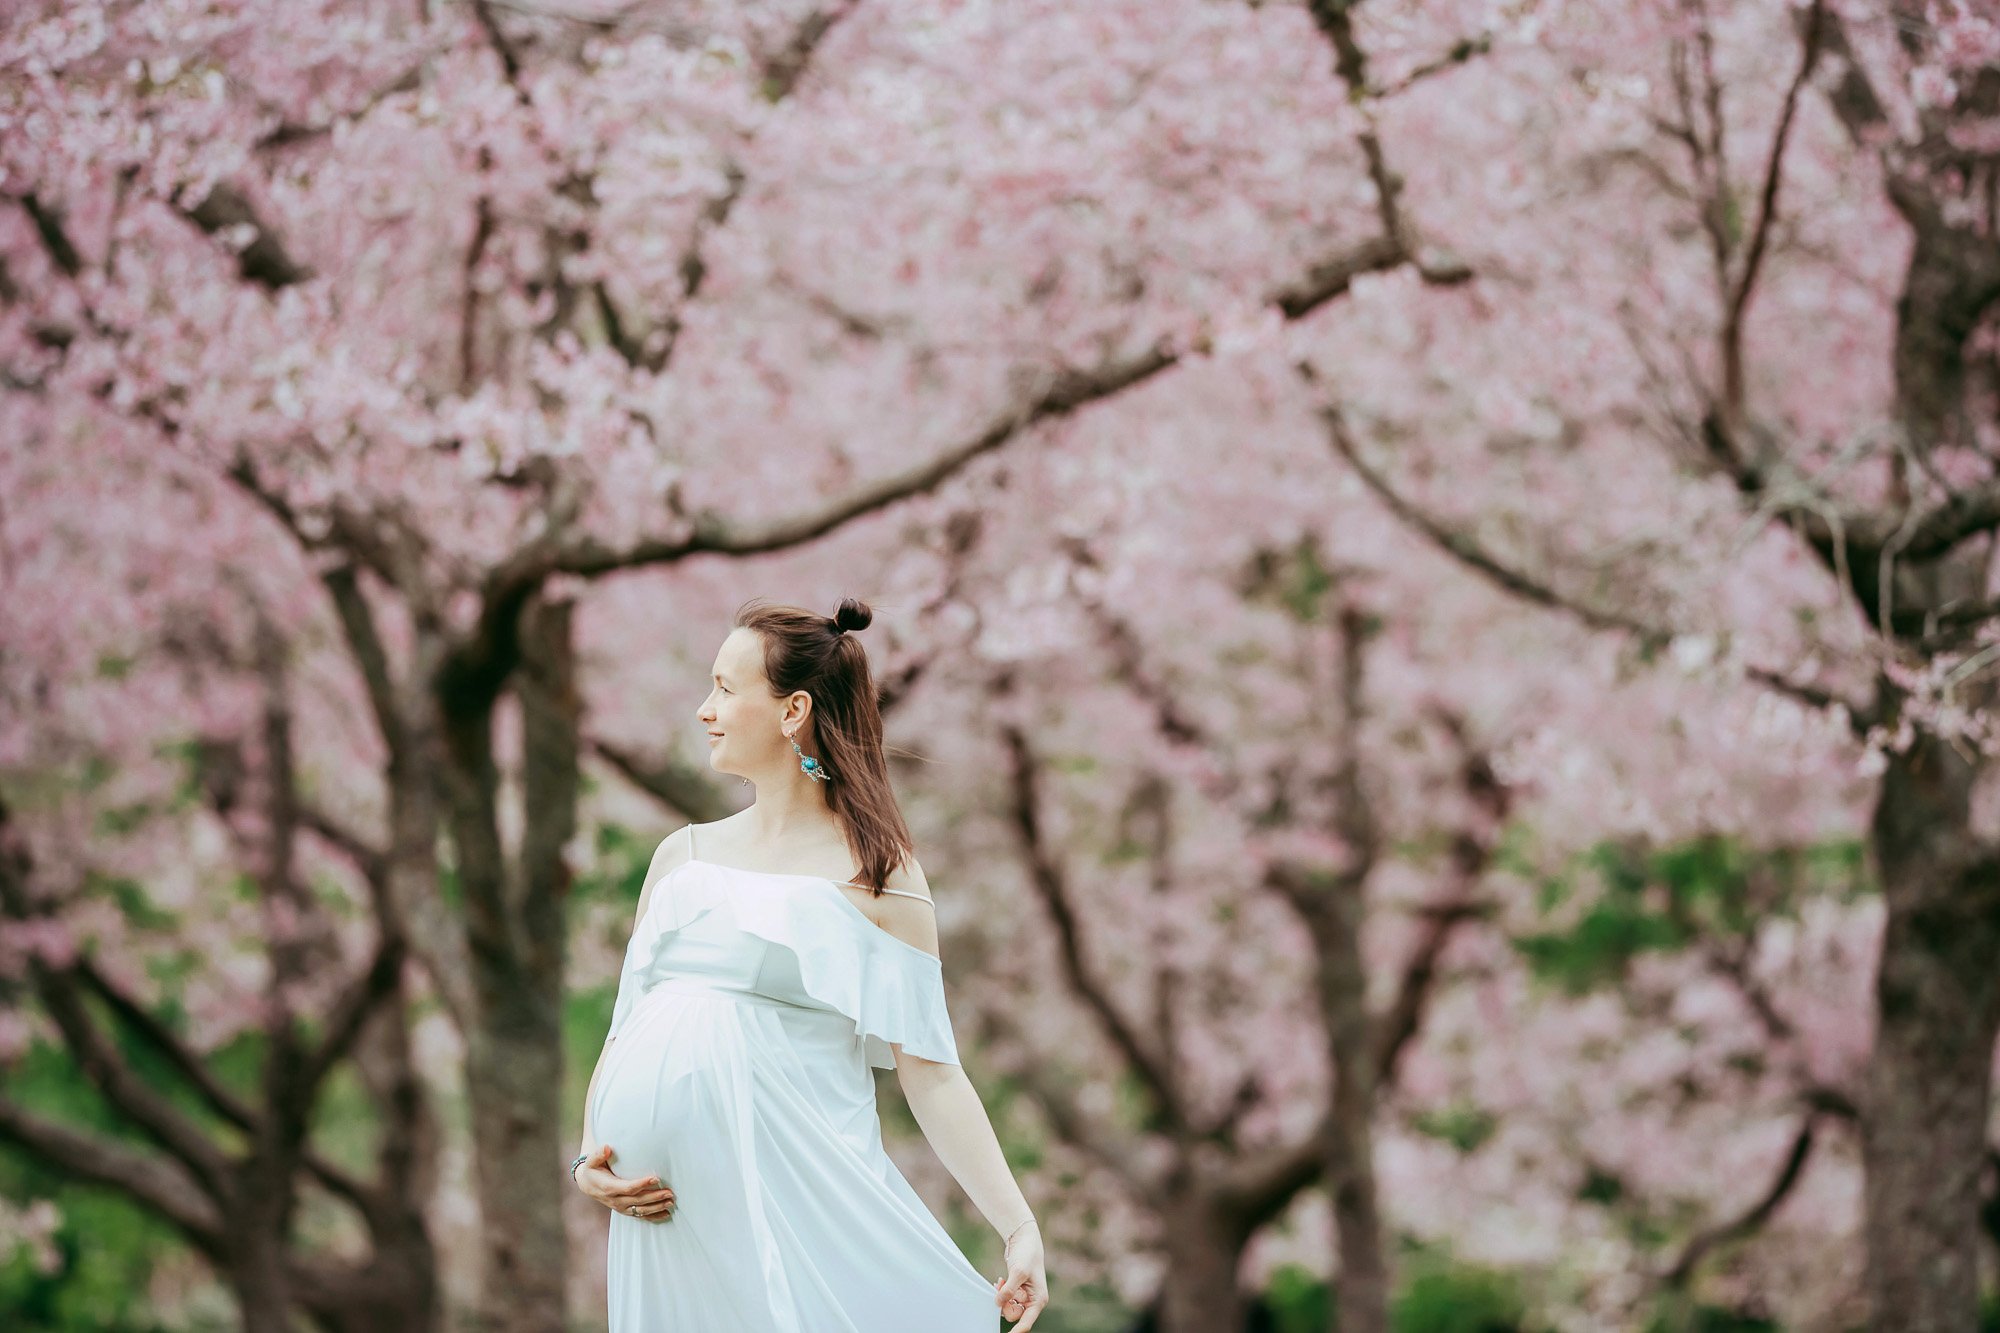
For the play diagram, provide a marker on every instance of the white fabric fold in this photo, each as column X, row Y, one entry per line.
column 891, row 990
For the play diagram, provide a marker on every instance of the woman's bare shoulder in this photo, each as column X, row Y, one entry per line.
column 912, row 920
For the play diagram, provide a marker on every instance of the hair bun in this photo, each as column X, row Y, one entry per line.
column 852, row 615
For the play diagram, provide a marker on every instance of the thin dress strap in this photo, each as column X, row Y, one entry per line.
column 904, row 892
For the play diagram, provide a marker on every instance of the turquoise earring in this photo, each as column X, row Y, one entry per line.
column 808, row 765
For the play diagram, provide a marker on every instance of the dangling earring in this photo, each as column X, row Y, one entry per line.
column 807, row 764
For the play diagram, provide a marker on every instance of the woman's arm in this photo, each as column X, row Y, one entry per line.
column 948, row 1110
column 954, row 1120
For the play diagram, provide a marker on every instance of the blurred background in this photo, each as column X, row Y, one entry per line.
column 1433, row 569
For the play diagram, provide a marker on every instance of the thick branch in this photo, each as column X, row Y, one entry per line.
column 1046, row 874
column 1058, row 395
column 95, row 1055
column 165, row 1043
column 1965, row 514
column 54, row 236
column 155, row 1184
column 1063, row 394
column 679, row 786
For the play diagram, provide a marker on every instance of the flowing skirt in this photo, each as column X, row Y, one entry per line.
column 791, row 1218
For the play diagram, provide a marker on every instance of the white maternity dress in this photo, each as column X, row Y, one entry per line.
column 751, row 1007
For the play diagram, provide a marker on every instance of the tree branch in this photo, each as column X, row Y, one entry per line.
column 264, row 261
column 677, row 785
column 1520, row 585
column 1462, row 51
column 98, row 1059
column 157, row 1185
column 1110, row 1146
column 1767, row 209
column 1058, row 395
column 358, row 1002
column 1748, row 1222
column 166, row 1044
column 1964, row 514
column 1046, row 874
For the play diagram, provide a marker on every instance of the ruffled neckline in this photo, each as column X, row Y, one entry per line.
column 894, row 993
column 832, row 887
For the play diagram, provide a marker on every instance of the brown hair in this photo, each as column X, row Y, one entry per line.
column 820, row 655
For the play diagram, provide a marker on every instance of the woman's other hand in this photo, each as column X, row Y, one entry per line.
column 644, row 1198
column 1025, row 1290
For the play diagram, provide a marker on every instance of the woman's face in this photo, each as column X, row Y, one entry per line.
column 745, row 724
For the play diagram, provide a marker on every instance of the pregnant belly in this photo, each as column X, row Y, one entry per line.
column 675, row 1086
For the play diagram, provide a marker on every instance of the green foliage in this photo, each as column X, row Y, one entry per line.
column 1666, row 899
column 1462, row 1124
column 1440, row 1294
column 586, row 1019
column 619, row 872
column 1600, row 1187
column 106, row 1253
column 108, row 1247
column 131, row 899
column 1435, row 1294
column 1678, row 1314
column 1298, row 1301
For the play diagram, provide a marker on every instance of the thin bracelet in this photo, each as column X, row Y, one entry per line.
column 1010, row 1236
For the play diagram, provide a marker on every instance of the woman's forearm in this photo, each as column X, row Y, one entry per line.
column 953, row 1119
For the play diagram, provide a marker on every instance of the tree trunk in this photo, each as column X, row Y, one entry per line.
column 1199, row 1293
column 513, row 1079
column 256, row 1236
column 394, row 1292
column 1929, row 1085
column 1349, row 1147
column 514, row 914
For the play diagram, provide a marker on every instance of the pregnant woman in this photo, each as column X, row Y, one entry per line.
column 778, row 956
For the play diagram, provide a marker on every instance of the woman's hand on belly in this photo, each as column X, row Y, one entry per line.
column 644, row 1197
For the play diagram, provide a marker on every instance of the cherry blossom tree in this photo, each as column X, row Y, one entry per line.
column 400, row 281
column 230, row 1164
column 1210, row 1178
column 505, row 343
column 1781, row 282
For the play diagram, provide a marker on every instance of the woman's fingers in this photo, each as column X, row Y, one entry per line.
column 1020, row 1299
column 639, row 1185
column 649, row 1210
